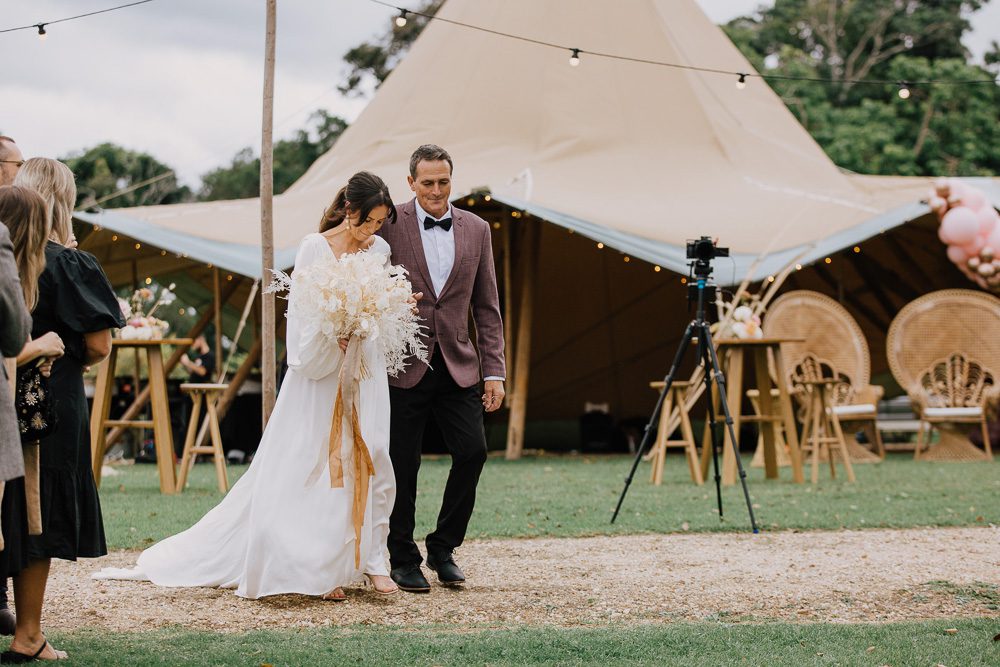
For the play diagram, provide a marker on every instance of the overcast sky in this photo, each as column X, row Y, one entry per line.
column 181, row 79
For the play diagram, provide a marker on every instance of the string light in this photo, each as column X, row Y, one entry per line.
column 627, row 259
column 857, row 249
column 770, row 279
column 742, row 83
column 163, row 253
column 600, row 246
column 487, row 198
column 114, row 237
column 149, row 280
column 401, row 19
column 229, row 277
column 828, row 260
column 575, row 57
column 138, row 245
column 41, row 26
column 904, row 92
column 470, row 201
column 684, row 281
column 657, row 269
column 798, row 267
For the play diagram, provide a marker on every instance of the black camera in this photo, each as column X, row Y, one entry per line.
column 705, row 250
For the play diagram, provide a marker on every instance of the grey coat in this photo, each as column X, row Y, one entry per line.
column 15, row 327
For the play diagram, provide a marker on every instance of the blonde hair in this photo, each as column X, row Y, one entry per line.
column 54, row 181
column 24, row 212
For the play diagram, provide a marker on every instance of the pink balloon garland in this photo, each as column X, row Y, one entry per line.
column 970, row 227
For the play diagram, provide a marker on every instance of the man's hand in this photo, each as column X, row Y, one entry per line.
column 493, row 395
column 50, row 345
column 45, row 368
column 416, row 296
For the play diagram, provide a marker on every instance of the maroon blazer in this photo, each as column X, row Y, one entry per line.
column 471, row 284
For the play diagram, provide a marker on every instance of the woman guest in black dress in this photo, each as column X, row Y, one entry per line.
column 76, row 301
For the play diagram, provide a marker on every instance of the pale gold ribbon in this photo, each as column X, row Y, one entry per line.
column 352, row 371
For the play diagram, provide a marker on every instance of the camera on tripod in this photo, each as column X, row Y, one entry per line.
column 703, row 251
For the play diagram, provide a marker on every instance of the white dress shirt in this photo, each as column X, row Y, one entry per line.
column 439, row 251
column 439, row 248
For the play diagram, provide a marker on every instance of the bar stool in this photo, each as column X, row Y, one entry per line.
column 209, row 393
column 821, row 432
column 675, row 396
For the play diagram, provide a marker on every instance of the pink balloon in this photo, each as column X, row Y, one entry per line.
column 993, row 240
column 987, row 217
column 959, row 226
column 958, row 255
column 973, row 198
column 957, row 188
column 972, row 249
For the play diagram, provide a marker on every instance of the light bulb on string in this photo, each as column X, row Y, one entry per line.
column 401, row 19
column 904, row 91
column 574, row 58
column 742, row 83
column 41, row 32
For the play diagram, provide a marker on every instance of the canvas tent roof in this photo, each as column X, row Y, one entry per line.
column 641, row 157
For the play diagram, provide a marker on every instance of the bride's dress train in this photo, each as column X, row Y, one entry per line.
column 277, row 531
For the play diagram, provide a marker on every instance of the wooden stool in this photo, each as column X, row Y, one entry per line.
column 210, row 394
column 821, row 432
column 780, row 446
column 675, row 396
column 160, row 423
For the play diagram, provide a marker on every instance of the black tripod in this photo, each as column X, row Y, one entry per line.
column 699, row 329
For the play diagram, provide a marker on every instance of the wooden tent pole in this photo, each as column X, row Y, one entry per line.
column 268, row 368
column 508, row 309
column 522, row 362
column 143, row 397
column 217, row 301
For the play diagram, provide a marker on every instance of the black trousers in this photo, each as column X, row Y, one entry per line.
column 458, row 412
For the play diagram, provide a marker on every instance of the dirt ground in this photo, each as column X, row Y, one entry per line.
column 844, row 576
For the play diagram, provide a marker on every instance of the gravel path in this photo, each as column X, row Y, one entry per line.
column 845, row 576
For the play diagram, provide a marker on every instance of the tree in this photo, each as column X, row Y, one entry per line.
column 372, row 62
column 133, row 178
column 938, row 130
column 292, row 157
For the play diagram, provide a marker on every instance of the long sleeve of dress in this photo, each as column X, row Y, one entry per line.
column 309, row 351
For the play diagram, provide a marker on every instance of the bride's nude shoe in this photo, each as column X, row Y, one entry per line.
column 371, row 582
column 336, row 595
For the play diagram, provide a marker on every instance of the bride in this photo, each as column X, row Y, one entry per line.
column 276, row 532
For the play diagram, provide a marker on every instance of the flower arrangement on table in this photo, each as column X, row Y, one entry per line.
column 140, row 323
column 738, row 319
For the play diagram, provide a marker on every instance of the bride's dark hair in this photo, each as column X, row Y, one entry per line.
column 364, row 191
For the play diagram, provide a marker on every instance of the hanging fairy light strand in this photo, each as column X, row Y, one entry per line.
column 577, row 53
column 41, row 25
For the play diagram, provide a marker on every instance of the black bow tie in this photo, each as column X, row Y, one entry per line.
column 430, row 223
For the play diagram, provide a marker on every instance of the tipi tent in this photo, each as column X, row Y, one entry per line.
column 622, row 159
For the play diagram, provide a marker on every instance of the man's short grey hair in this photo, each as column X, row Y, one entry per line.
column 429, row 153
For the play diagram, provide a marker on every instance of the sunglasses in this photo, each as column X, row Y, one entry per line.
column 19, row 163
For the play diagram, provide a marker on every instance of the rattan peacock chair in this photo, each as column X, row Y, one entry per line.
column 944, row 350
column 833, row 347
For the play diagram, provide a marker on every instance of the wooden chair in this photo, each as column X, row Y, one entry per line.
column 833, row 348
column 209, row 393
column 675, row 397
column 944, row 349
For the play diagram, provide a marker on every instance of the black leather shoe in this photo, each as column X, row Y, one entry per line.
column 409, row 578
column 7, row 622
column 448, row 572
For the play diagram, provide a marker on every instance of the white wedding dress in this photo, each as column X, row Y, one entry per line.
column 274, row 532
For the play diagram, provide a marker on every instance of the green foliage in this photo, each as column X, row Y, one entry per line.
column 939, row 130
column 372, row 62
column 109, row 169
column 691, row 644
column 292, row 157
column 574, row 496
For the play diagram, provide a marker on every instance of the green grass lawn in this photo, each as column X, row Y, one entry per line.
column 691, row 645
column 574, row 496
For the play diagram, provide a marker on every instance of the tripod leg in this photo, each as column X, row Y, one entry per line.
column 713, row 431
column 668, row 381
column 720, row 379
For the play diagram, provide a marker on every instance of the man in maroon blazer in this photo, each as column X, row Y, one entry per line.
column 449, row 257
